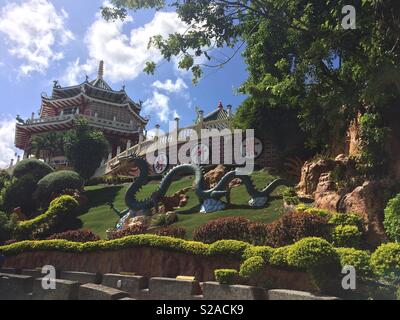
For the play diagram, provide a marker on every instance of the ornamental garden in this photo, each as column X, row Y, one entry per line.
column 317, row 216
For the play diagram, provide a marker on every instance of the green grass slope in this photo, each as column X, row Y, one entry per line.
column 99, row 217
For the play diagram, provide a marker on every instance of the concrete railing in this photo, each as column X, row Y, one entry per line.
column 87, row 286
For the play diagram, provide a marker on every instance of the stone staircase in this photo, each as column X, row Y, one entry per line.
column 70, row 285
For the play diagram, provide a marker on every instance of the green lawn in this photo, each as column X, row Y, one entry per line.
column 99, row 216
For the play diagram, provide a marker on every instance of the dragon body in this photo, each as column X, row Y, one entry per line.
column 210, row 199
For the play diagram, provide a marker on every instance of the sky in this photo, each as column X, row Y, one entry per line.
column 64, row 40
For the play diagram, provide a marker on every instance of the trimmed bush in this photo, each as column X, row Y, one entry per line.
column 57, row 182
column 226, row 276
column 358, row 259
column 61, row 211
column 392, row 219
column 264, row 252
column 295, row 226
column 76, row 236
column 318, row 257
column 173, row 232
column 258, row 233
column 130, row 231
column 318, row 212
column 19, row 194
column 232, row 228
column 35, row 168
column 346, row 236
column 5, row 230
column 311, row 253
column 290, row 197
column 279, row 257
column 143, row 240
column 385, row 261
column 232, row 248
column 252, row 267
column 346, row 219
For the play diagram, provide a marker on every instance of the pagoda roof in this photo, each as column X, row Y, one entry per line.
column 97, row 88
column 219, row 114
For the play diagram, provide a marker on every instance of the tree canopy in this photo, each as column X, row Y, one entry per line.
column 298, row 54
column 85, row 148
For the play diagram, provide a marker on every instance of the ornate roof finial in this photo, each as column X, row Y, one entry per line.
column 220, row 105
column 101, row 70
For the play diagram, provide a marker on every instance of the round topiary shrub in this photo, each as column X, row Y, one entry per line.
column 264, row 252
column 358, row 259
column 226, row 276
column 346, row 219
column 346, row 236
column 279, row 257
column 233, row 228
column 231, row 248
column 385, row 261
column 295, row 226
column 19, row 194
column 33, row 167
column 312, row 253
column 252, row 267
column 392, row 219
column 318, row 257
column 56, row 183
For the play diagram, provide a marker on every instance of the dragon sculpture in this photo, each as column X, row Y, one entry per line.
column 210, row 199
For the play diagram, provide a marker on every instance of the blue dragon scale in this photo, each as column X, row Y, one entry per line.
column 210, row 199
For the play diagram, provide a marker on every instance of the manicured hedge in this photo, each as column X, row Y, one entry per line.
column 385, row 261
column 58, row 209
column 254, row 251
column 76, row 236
column 232, row 248
column 346, row 236
column 252, row 267
column 311, row 254
column 358, row 259
column 226, row 276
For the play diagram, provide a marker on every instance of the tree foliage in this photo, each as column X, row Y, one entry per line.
column 298, row 56
column 85, row 148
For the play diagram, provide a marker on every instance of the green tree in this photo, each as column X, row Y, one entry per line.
column 392, row 219
column 47, row 145
column 85, row 148
column 297, row 53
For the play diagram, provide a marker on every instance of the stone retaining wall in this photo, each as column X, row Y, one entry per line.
column 150, row 263
column 131, row 287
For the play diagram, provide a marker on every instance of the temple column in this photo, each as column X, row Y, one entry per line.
column 128, row 144
column 118, row 150
column 11, row 163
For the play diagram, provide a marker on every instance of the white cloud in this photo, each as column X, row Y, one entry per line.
column 34, row 30
column 159, row 104
column 124, row 54
column 170, row 86
column 7, row 149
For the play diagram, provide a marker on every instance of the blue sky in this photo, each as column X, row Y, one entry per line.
column 46, row 40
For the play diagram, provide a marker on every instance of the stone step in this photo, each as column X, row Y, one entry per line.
column 64, row 290
column 15, row 287
column 92, row 291
column 81, row 277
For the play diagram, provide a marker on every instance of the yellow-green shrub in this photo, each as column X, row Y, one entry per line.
column 252, row 267
column 226, row 276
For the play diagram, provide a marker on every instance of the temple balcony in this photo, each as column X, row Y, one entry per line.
column 94, row 121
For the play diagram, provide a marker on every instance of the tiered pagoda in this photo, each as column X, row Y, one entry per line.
column 112, row 112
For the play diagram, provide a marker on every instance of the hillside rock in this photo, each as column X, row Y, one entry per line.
column 212, row 177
